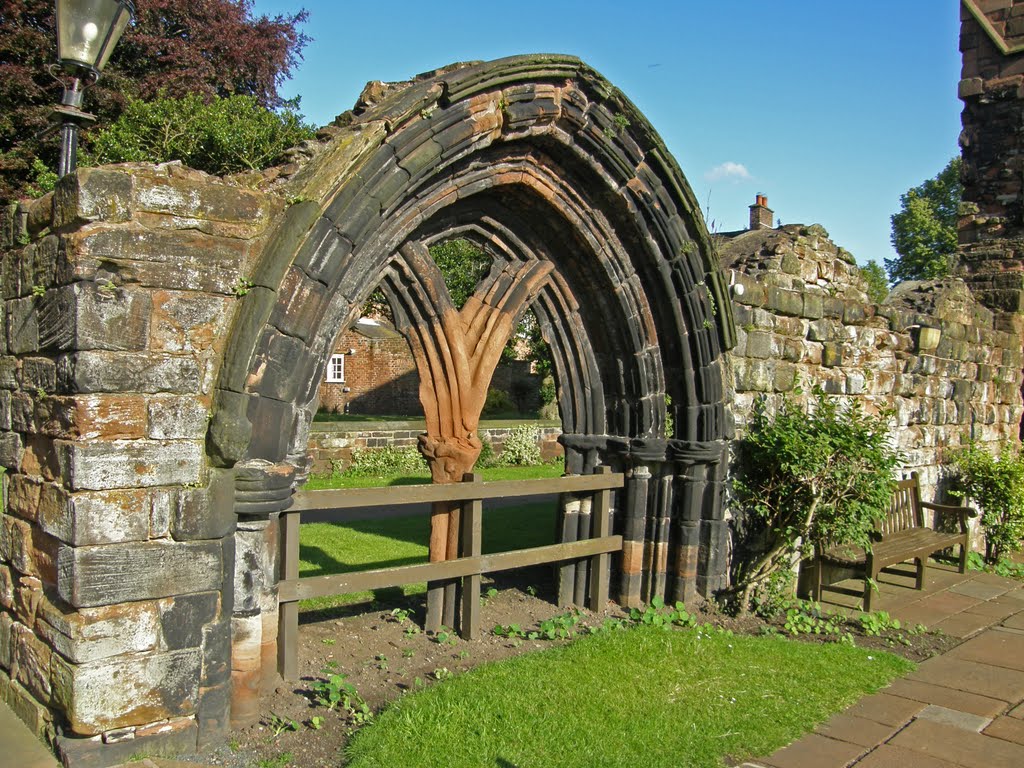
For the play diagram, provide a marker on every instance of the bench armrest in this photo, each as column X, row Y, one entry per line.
column 962, row 512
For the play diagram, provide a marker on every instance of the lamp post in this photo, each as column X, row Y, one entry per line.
column 87, row 31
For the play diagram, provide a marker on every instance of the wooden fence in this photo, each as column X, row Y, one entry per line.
column 470, row 567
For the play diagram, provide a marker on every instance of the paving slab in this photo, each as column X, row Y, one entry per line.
column 999, row 649
column 1014, row 622
column 963, row 624
column 948, row 602
column 947, row 697
column 915, row 613
column 954, row 718
column 971, row 750
column 857, row 730
column 1007, row 729
column 886, row 709
column 971, row 677
column 815, row 751
column 1017, row 711
column 981, row 590
column 889, row 756
column 21, row 749
column 995, row 610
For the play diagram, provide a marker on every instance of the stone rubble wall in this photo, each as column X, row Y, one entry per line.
column 930, row 353
column 331, row 443
column 117, row 539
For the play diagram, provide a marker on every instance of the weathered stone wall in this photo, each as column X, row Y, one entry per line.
column 930, row 354
column 331, row 443
column 117, row 540
column 992, row 143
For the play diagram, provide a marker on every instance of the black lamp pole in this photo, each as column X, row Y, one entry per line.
column 87, row 31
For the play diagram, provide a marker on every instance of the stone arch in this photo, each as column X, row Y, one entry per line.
column 543, row 160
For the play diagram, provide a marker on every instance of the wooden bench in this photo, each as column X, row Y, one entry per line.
column 900, row 536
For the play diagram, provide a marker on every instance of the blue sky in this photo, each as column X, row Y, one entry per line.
column 832, row 110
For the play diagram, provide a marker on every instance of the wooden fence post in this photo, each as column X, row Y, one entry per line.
column 600, row 564
column 472, row 542
column 288, row 616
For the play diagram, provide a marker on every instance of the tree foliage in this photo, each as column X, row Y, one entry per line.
column 996, row 484
column 924, row 230
column 807, row 477
column 220, row 136
column 209, row 48
column 877, row 282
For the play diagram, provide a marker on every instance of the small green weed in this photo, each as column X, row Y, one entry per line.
column 335, row 691
column 658, row 615
column 328, row 641
column 559, row 627
column 442, row 673
column 279, row 725
column 445, row 636
column 281, row 761
column 511, row 631
column 877, row 623
column 316, row 722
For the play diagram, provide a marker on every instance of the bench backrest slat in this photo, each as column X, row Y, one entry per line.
column 905, row 507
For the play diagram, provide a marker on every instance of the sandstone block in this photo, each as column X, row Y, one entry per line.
column 92, row 417
column 6, row 628
column 93, row 634
column 32, row 713
column 129, row 690
column 173, row 418
column 107, row 575
column 31, row 658
column 22, row 326
column 22, row 494
column 38, row 374
column 183, row 619
column 169, row 260
column 6, row 584
column 87, row 315
column 200, row 197
column 186, row 321
column 131, row 464
column 8, row 372
column 96, row 371
column 92, row 194
column 91, row 518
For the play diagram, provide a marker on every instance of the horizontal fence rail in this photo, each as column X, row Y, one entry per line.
column 470, row 567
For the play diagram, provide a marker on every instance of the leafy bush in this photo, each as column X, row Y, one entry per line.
column 217, row 135
column 521, row 447
column 996, row 484
column 386, row 461
column 804, row 478
column 498, row 402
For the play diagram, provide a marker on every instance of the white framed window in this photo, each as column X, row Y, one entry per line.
column 336, row 369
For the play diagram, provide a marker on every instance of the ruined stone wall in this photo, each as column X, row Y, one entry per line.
column 930, row 353
column 331, row 443
column 992, row 143
column 117, row 539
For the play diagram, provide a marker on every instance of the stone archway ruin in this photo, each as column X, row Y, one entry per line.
column 167, row 332
column 561, row 177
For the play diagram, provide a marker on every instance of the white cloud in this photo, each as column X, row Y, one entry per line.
column 729, row 171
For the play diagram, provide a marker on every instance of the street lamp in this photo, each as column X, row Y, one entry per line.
column 87, row 31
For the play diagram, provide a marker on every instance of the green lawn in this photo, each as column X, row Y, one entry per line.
column 326, row 548
column 640, row 697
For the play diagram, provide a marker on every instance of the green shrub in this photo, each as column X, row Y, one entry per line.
column 521, row 447
column 218, row 136
column 801, row 478
column 386, row 461
column 498, row 402
column 487, row 457
column 996, row 484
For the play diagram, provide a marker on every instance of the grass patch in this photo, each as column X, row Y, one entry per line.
column 326, row 548
column 644, row 696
